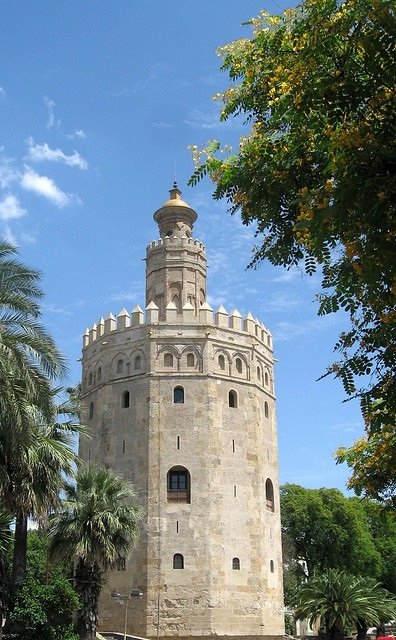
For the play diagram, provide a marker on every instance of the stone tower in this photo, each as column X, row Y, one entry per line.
column 181, row 402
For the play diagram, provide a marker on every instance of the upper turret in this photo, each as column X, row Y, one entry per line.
column 175, row 218
column 176, row 264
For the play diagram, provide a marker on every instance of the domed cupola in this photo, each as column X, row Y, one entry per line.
column 175, row 218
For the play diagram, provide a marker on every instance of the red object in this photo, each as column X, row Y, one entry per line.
column 386, row 638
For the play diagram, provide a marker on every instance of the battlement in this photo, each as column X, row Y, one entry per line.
column 184, row 241
column 206, row 316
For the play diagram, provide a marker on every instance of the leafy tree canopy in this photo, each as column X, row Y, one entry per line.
column 317, row 172
column 329, row 530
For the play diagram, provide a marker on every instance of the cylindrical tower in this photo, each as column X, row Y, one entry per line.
column 175, row 266
column 182, row 403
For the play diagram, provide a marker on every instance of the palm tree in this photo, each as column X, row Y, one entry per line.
column 98, row 526
column 29, row 360
column 341, row 600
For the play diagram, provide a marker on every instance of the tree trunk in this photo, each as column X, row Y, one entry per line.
column 336, row 632
column 361, row 628
column 88, row 584
column 20, row 546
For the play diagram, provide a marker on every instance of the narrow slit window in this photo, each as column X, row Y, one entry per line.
column 235, row 491
column 232, row 399
column 233, row 446
column 178, row 395
column 137, row 363
column 91, row 410
column 221, row 362
column 125, row 399
column 178, row 442
column 272, row 566
column 236, row 564
column 99, row 374
column 178, row 561
column 266, row 379
column 123, row 446
column 266, row 409
column 120, row 366
column 238, row 365
column 269, row 494
column 177, row 526
column 90, row 378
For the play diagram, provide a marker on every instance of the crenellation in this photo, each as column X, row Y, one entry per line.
column 221, row 317
column 137, row 316
column 249, row 324
column 152, row 312
column 236, row 320
column 110, row 323
column 123, row 319
column 92, row 333
column 100, row 328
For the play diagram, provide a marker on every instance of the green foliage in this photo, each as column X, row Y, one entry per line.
column 329, row 530
column 316, row 175
column 45, row 603
column 342, row 600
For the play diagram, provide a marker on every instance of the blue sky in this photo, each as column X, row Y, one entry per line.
column 99, row 101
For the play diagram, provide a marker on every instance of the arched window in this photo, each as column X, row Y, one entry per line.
column 168, row 360
column 99, row 374
column 190, row 360
column 120, row 366
column 178, row 485
column 178, row 395
column 266, row 379
column 125, row 399
column 236, row 565
column 232, row 399
column 90, row 378
column 266, row 410
column 272, row 566
column 221, row 362
column 137, row 363
column 91, row 410
column 269, row 494
column 178, row 561
column 238, row 365
column 258, row 373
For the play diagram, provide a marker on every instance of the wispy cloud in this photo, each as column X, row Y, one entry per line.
column 42, row 153
column 10, row 208
column 133, row 295
column 7, row 174
column 162, row 125
column 2, row 92
column 345, row 427
column 200, row 120
column 44, row 186
column 78, row 133
column 281, row 302
column 50, row 104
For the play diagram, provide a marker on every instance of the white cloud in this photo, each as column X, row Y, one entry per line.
column 50, row 104
column 7, row 174
column 44, row 186
column 10, row 208
column 42, row 152
column 162, row 125
column 2, row 92
column 9, row 236
column 78, row 133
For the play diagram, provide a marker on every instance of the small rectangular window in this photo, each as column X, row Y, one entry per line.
column 233, row 446
column 178, row 442
column 123, row 446
column 177, row 526
column 235, row 491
